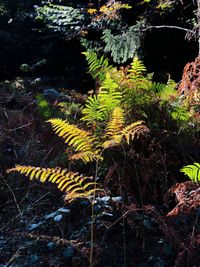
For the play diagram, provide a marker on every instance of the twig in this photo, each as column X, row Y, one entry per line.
column 47, row 155
column 20, row 127
column 14, row 197
column 15, row 256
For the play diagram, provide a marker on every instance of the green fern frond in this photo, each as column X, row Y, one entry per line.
column 168, row 91
column 109, row 95
column 97, row 67
column 73, row 184
column 92, row 112
column 109, row 84
column 99, row 107
column 43, row 106
column 180, row 114
column 137, row 69
column 192, row 171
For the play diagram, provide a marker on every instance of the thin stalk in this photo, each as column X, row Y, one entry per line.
column 92, row 216
column 120, row 176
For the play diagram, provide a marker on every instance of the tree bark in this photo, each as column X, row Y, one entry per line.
column 198, row 22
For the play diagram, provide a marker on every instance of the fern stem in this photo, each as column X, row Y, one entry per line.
column 92, row 236
column 92, row 217
column 120, row 176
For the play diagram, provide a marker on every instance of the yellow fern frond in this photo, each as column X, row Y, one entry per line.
column 73, row 184
column 130, row 131
column 74, row 195
column 87, row 156
column 116, row 123
column 81, row 140
column 112, row 142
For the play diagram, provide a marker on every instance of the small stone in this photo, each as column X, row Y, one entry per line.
column 68, row 252
column 51, row 245
column 58, row 218
column 117, row 199
column 64, row 210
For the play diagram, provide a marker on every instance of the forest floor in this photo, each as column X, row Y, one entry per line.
column 150, row 219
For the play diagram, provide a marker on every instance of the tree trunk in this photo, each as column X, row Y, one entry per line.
column 198, row 22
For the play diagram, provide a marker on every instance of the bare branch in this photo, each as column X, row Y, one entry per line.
column 168, row 27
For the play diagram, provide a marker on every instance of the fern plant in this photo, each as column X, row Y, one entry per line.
column 87, row 147
column 74, row 185
column 43, row 106
column 192, row 171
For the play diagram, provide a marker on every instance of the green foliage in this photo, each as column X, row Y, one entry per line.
column 161, row 4
column 122, row 46
column 168, row 90
column 64, row 19
column 134, row 89
column 192, row 171
column 137, row 69
column 43, row 106
column 99, row 107
column 28, row 68
column 98, row 67
column 3, row 9
column 180, row 114
column 70, row 110
column 92, row 111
